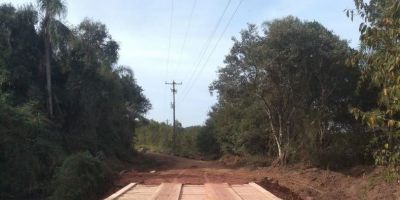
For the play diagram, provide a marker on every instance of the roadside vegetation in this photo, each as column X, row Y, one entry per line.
column 66, row 108
column 158, row 137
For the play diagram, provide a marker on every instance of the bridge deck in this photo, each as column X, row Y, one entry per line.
column 178, row 191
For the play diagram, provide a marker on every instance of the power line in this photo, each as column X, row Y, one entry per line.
column 185, row 36
column 208, row 42
column 212, row 51
column 170, row 35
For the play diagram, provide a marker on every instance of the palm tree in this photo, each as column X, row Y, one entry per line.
column 51, row 9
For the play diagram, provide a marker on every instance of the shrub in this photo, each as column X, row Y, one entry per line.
column 81, row 176
column 207, row 144
column 385, row 150
column 342, row 151
column 28, row 151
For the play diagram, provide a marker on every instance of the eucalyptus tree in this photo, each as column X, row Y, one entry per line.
column 53, row 10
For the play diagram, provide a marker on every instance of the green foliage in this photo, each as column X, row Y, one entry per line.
column 18, row 39
column 379, row 61
column 383, row 152
column 96, row 104
column 157, row 137
column 206, row 141
column 284, row 90
column 342, row 151
column 81, row 176
column 186, row 142
column 28, row 150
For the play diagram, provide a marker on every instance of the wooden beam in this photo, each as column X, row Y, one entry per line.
column 120, row 192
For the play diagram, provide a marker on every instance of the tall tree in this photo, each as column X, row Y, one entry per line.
column 51, row 9
column 295, row 74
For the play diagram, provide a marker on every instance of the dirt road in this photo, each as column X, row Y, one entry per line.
column 287, row 183
column 177, row 169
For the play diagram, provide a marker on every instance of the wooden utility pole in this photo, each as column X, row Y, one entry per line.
column 173, row 112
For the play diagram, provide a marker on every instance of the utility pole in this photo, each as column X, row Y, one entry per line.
column 173, row 110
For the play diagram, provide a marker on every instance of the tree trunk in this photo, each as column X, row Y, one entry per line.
column 278, row 145
column 276, row 134
column 278, row 142
column 48, row 77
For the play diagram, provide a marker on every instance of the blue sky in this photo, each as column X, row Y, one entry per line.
column 142, row 29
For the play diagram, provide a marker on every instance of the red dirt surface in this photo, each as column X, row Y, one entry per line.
column 296, row 182
column 279, row 190
column 183, row 170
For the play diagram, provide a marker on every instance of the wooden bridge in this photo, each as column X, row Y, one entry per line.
column 178, row 191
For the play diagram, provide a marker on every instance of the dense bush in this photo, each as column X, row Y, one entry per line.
column 28, row 151
column 207, row 144
column 343, row 151
column 81, row 176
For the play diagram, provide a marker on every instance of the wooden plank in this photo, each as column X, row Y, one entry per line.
column 220, row 192
column 264, row 191
column 120, row 192
column 193, row 192
column 245, row 191
column 159, row 188
column 168, row 191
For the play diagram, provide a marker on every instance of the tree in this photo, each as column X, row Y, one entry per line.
column 379, row 60
column 50, row 25
column 136, row 103
column 18, row 39
column 296, row 75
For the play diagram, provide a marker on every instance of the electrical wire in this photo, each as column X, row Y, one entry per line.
column 207, row 44
column 185, row 36
column 212, row 51
column 169, row 37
